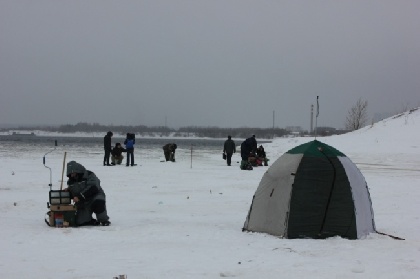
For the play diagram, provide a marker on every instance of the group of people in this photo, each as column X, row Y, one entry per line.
column 251, row 155
column 116, row 153
column 85, row 187
column 89, row 197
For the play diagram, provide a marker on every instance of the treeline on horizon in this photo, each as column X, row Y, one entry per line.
column 211, row 132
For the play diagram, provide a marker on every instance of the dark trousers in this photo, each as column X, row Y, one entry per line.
column 169, row 156
column 130, row 156
column 106, row 157
column 84, row 213
column 228, row 158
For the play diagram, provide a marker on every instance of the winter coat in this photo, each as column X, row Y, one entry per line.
column 107, row 141
column 86, row 187
column 170, row 147
column 229, row 146
column 261, row 152
column 244, row 151
column 251, row 144
column 129, row 142
column 117, row 151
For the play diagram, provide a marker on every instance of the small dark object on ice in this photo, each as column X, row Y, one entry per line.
column 105, row 223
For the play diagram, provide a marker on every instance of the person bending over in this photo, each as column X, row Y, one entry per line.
column 89, row 197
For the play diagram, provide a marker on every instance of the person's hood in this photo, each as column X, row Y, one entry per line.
column 73, row 166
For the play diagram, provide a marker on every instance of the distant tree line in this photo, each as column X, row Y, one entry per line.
column 216, row 132
column 159, row 131
column 190, row 131
column 95, row 127
column 142, row 130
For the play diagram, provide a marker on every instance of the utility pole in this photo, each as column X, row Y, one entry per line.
column 273, row 119
column 316, row 118
column 273, row 123
column 312, row 119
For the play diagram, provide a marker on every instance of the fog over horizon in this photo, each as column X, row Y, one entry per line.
column 206, row 63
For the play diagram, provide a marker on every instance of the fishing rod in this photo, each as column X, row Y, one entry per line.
column 43, row 161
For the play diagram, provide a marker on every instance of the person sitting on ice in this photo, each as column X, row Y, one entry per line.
column 89, row 197
column 252, row 159
column 116, row 154
column 169, row 151
column 261, row 156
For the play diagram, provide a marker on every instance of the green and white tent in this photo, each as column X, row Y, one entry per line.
column 312, row 191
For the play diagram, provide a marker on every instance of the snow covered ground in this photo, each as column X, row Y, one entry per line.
column 184, row 219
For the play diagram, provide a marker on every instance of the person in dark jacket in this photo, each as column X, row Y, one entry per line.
column 251, row 142
column 107, row 147
column 169, row 151
column 116, row 154
column 129, row 146
column 248, row 147
column 229, row 148
column 244, row 151
column 261, row 156
column 89, row 197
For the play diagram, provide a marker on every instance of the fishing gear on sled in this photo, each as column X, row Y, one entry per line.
column 61, row 212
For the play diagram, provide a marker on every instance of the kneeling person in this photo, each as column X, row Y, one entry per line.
column 116, row 153
column 87, row 194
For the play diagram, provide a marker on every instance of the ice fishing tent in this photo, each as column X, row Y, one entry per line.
column 312, row 191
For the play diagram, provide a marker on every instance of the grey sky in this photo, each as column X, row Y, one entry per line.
column 206, row 63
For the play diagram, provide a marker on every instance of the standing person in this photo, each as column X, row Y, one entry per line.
column 229, row 148
column 129, row 146
column 251, row 142
column 244, row 151
column 244, row 155
column 116, row 154
column 89, row 197
column 248, row 148
column 107, row 147
column 169, row 151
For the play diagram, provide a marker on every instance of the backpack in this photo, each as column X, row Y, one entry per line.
column 246, row 166
column 129, row 144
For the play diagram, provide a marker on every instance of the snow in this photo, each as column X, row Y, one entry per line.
column 184, row 219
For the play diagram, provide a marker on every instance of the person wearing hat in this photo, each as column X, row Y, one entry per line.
column 129, row 142
column 229, row 148
column 89, row 197
column 107, row 147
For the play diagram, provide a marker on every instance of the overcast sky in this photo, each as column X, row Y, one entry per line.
column 206, row 63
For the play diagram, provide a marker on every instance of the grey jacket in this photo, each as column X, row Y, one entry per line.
column 87, row 187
